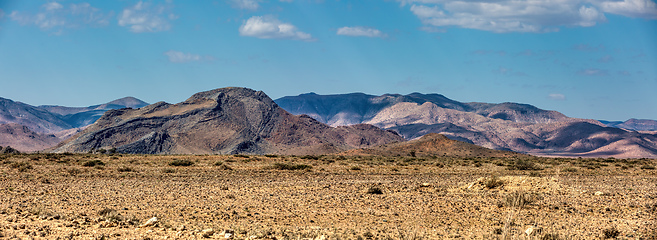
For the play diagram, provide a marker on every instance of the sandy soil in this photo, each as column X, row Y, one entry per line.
column 331, row 197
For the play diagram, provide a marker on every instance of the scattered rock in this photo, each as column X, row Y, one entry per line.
column 529, row 231
column 228, row 234
column 599, row 193
column 207, row 233
column 180, row 228
column 151, row 222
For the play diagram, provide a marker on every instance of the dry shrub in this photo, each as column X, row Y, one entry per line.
column 493, row 182
column 21, row 166
column 181, row 163
column 374, row 190
column 93, row 163
column 610, row 233
column 285, row 166
column 126, row 169
column 523, row 165
column 521, row 199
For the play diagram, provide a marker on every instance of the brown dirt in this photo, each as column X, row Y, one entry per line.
column 53, row 196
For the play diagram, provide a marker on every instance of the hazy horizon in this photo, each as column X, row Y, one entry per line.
column 587, row 59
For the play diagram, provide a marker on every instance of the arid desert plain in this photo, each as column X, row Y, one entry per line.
column 115, row 196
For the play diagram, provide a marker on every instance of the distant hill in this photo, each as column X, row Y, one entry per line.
column 29, row 128
column 353, row 108
column 24, row 139
column 505, row 126
column 83, row 116
column 634, row 124
column 431, row 144
column 227, row 121
column 38, row 120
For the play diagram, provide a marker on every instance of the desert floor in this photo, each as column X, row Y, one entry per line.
column 85, row 196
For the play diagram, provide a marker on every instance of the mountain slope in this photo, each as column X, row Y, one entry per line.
column 634, row 124
column 36, row 119
column 506, row 126
column 345, row 109
column 226, row 120
column 431, row 144
column 83, row 116
column 23, row 139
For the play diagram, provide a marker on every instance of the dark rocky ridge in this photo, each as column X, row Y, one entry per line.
column 226, row 120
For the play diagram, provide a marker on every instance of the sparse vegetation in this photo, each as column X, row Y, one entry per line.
column 521, row 199
column 374, row 190
column 523, row 165
column 286, row 166
column 181, row 163
column 610, row 233
column 493, row 182
column 125, row 169
column 93, row 163
column 648, row 167
column 22, row 166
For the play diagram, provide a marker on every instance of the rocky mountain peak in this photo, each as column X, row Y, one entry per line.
column 224, row 120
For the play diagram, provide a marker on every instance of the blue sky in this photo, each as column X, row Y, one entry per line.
column 585, row 58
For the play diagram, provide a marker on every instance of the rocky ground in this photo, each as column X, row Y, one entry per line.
column 61, row 196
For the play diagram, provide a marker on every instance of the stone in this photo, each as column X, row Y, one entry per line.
column 151, row 222
column 228, row 234
column 206, row 233
column 599, row 193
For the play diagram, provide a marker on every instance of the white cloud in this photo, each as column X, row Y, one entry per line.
column 245, row 4
column 588, row 48
column 360, row 32
column 432, row 29
column 268, row 27
column 525, row 16
column 624, row 73
column 557, row 96
column 142, row 17
column 181, row 57
column 593, row 72
column 605, row 59
column 52, row 6
column 631, row 8
column 55, row 16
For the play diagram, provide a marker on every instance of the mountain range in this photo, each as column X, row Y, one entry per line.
column 633, row 124
column 239, row 120
column 506, row 126
column 32, row 128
